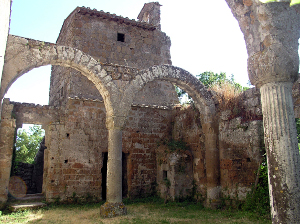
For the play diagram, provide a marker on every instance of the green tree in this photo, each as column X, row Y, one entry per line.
column 292, row 2
column 28, row 143
column 209, row 78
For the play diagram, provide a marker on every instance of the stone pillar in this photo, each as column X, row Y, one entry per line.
column 212, row 167
column 271, row 32
column 114, row 205
column 282, row 151
column 7, row 137
column 114, row 166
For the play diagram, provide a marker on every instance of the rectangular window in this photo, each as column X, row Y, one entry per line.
column 121, row 37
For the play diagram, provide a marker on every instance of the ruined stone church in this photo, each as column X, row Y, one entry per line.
column 113, row 129
column 203, row 151
column 75, row 160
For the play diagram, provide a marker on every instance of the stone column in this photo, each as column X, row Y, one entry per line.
column 282, row 151
column 114, row 205
column 114, row 166
column 212, row 167
column 271, row 32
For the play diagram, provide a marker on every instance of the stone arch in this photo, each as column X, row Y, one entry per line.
column 203, row 98
column 24, row 54
column 204, row 101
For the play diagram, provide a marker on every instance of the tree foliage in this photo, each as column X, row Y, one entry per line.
column 292, row 2
column 28, row 143
column 210, row 79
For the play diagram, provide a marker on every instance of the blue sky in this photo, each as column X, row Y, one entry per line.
column 204, row 34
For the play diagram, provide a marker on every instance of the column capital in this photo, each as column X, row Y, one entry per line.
column 273, row 65
column 271, row 33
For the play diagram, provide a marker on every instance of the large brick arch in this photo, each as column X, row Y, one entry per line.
column 202, row 97
column 24, row 54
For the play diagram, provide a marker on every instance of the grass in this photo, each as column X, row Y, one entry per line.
column 139, row 211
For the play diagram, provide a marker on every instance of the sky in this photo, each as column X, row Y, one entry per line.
column 204, row 34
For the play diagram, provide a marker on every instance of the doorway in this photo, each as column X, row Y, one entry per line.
column 124, row 175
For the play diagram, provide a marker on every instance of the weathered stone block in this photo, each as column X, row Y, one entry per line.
column 109, row 210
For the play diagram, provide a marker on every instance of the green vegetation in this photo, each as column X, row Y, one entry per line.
column 213, row 81
column 147, row 210
column 258, row 199
column 293, row 2
column 297, row 120
column 210, row 79
column 28, row 143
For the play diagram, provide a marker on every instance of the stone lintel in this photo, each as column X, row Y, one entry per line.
column 110, row 210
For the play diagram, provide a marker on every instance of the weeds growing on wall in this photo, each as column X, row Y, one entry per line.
column 258, row 199
column 297, row 120
column 227, row 95
column 231, row 98
column 172, row 146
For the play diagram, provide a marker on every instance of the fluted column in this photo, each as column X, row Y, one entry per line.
column 282, row 151
column 271, row 33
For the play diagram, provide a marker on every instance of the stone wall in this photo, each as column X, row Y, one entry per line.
column 241, row 144
column 145, row 129
column 7, row 139
column 187, row 127
column 99, row 34
column 25, row 171
column 75, row 150
column 76, row 141
column 28, row 113
column 73, row 158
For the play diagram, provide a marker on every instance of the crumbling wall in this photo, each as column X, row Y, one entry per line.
column 240, row 144
column 150, row 13
column 174, row 172
column 73, row 158
column 187, row 128
column 146, row 127
column 28, row 113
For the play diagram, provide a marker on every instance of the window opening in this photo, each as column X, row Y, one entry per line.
column 165, row 174
column 121, row 37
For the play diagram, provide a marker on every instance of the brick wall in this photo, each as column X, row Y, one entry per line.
column 75, row 147
column 145, row 129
